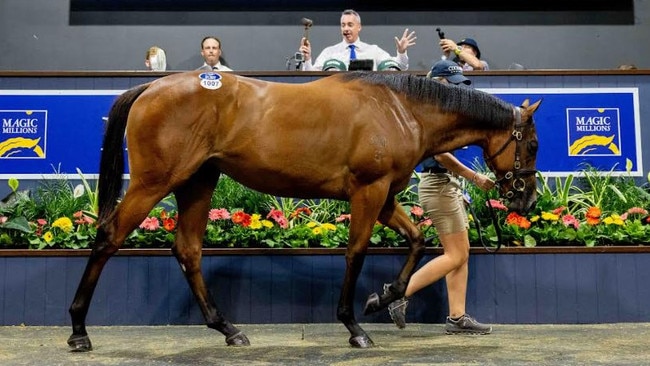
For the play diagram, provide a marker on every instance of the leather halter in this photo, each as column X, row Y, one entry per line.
column 518, row 184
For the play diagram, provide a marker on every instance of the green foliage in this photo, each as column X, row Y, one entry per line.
column 595, row 209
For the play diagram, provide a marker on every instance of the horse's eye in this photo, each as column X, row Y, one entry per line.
column 532, row 147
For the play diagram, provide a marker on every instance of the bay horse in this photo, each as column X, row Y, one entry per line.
column 351, row 136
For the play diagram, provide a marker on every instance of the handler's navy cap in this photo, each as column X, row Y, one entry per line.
column 450, row 71
column 334, row 65
column 470, row 42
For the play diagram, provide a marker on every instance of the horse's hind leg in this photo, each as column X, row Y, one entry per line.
column 394, row 216
column 111, row 234
column 193, row 200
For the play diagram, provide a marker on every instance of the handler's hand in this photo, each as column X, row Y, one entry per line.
column 482, row 181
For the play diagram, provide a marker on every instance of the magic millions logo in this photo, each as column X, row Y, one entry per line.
column 594, row 131
column 23, row 134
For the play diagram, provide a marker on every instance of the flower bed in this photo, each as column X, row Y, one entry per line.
column 598, row 209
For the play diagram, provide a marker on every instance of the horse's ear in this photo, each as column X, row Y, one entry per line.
column 525, row 103
column 534, row 107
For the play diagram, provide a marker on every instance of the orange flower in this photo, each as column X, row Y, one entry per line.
column 241, row 218
column 593, row 215
column 298, row 211
column 515, row 219
column 593, row 212
column 169, row 224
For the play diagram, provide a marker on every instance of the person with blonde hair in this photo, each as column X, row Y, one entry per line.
column 155, row 59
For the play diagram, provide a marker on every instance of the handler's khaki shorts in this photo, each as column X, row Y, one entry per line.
column 441, row 198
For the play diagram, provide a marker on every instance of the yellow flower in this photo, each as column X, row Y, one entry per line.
column 63, row 223
column 255, row 222
column 48, row 237
column 548, row 216
column 317, row 230
column 267, row 224
column 328, row 226
column 534, row 218
column 311, row 224
column 614, row 220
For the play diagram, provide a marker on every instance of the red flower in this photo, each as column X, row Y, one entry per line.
column 300, row 210
column 559, row 210
column 241, row 218
column 169, row 224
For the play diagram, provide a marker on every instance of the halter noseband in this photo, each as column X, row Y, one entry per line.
column 515, row 175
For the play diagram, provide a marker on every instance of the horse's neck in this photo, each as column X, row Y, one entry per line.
column 448, row 132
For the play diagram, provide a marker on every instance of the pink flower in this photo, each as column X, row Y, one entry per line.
column 150, row 223
column 3, row 219
column 637, row 210
column 342, row 218
column 417, row 211
column 496, row 204
column 426, row 222
column 218, row 214
column 277, row 216
column 274, row 214
column 41, row 222
column 282, row 222
column 570, row 220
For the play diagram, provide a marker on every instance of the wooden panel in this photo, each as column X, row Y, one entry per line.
column 504, row 288
column 564, row 281
column 525, row 291
column 586, row 288
column 545, row 285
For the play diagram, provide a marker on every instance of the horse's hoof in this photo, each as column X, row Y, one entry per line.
column 79, row 343
column 372, row 304
column 362, row 341
column 238, row 340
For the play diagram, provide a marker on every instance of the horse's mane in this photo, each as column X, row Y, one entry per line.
column 477, row 105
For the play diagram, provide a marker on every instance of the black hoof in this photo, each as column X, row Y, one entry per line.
column 238, row 340
column 361, row 342
column 372, row 304
column 79, row 343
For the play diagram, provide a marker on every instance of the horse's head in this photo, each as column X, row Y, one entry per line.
column 512, row 156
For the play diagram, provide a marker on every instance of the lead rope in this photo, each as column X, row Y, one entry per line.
column 495, row 221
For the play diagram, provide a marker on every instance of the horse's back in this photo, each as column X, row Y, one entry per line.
column 308, row 137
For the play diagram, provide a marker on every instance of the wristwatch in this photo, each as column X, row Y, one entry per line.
column 458, row 50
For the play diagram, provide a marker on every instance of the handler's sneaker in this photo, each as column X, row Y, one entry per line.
column 397, row 309
column 466, row 325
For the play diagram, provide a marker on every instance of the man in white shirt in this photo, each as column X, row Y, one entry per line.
column 352, row 48
column 211, row 52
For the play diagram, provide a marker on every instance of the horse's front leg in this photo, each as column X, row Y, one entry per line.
column 364, row 209
column 394, row 216
column 193, row 200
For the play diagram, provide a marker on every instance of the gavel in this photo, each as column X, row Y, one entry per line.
column 307, row 23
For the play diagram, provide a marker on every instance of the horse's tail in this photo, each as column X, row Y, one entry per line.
column 111, row 166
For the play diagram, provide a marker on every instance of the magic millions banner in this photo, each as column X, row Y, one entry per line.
column 46, row 133
column 581, row 127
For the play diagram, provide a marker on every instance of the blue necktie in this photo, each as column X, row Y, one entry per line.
column 353, row 54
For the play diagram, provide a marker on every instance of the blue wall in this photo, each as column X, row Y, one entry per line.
column 503, row 288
